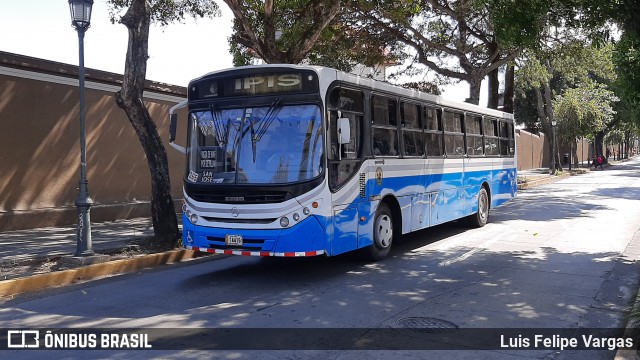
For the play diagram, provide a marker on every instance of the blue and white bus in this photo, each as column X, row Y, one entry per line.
column 289, row 160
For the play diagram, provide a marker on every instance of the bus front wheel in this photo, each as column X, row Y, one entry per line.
column 479, row 219
column 382, row 234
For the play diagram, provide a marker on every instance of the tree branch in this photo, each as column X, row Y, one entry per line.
column 323, row 16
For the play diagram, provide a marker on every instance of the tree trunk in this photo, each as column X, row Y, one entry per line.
column 494, row 87
column 129, row 98
column 474, row 91
column 509, row 86
column 597, row 143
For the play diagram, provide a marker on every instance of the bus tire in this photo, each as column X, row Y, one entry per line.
column 480, row 218
column 382, row 234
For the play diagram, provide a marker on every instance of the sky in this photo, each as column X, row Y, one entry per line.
column 177, row 53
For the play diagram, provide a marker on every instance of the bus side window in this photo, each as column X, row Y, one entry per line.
column 433, row 132
column 491, row 141
column 512, row 140
column 453, row 133
column 385, row 126
column 413, row 141
column 504, row 138
column 473, row 130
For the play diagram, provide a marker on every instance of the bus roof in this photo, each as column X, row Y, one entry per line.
column 328, row 75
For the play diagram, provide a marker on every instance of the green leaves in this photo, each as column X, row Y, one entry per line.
column 165, row 12
column 280, row 31
column 584, row 110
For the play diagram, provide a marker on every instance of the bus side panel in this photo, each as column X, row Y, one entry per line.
column 366, row 211
column 446, row 205
column 505, row 184
column 477, row 171
column 474, row 182
column 345, row 229
column 420, row 211
column 447, row 199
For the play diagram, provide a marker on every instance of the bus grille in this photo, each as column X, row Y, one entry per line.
column 212, row 196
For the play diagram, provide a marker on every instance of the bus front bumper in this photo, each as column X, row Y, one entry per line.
column 306, row 238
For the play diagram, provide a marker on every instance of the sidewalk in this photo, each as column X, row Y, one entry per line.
column 37, row 259
column 23, row 246
column 530, row 178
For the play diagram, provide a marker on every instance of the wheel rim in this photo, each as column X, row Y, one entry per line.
column 384, row 231
column 483, row 206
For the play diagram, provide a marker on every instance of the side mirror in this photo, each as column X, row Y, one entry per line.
column 344, row 131
column 173, row 124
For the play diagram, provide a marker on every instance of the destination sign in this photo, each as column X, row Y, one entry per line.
column 266, row 84
column 255, row 84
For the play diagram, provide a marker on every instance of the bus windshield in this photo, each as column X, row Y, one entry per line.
column 256, row 145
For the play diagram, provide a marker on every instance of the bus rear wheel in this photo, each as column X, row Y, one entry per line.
column 479, row 219
column 382, row 234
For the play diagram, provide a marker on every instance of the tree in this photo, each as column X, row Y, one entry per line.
column 282, row 32
column 320, row 32
column 563, row 60
column 137, row 19
column 584, row 110
column 454, row 39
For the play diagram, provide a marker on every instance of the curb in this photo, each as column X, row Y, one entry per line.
column 37, row 282
column 546, row 180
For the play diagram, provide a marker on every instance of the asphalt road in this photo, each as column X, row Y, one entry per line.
column 560, row 256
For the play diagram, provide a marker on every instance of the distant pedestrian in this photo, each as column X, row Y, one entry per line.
column 599, row 161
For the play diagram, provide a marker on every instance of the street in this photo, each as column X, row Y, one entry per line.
column 562, row 255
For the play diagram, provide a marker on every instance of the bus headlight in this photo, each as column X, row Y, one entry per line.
column 296, row 217
column 306, row 211
column 184, row 207
column 193, row 218
column 284, row 221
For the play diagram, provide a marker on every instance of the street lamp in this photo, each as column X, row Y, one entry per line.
column 81, row 20
column 553, row 146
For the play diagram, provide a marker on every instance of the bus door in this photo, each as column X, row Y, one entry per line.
column 346, row 178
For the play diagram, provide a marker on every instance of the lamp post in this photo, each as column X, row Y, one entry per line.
column 553, row 146
column 81, row 20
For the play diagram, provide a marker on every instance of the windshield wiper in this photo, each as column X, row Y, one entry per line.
column 268, row 119
column 256, row 135
column 219, row 126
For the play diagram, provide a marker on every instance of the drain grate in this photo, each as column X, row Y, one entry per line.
column 427, row 324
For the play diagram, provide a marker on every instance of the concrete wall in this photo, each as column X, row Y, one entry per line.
column 533, row 151
column 581, row 153
column 40, row 146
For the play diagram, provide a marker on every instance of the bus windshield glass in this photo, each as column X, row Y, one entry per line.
column 261, row 145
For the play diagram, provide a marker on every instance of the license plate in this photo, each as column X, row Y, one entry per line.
column 233, row 239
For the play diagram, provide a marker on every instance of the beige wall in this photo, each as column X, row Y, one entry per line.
column 581, row 152
column 40, row 149
column 533, row 151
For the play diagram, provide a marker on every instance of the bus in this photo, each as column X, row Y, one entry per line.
column 293, row 160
